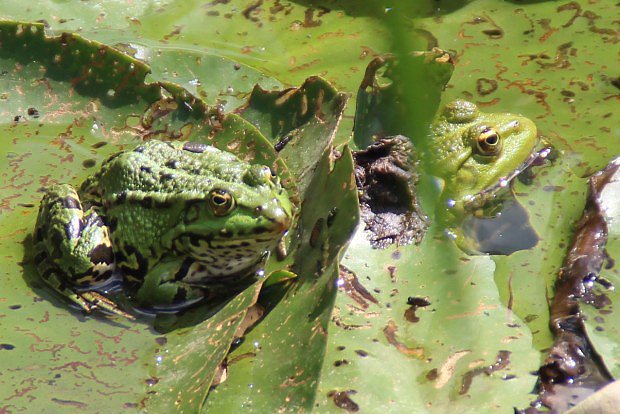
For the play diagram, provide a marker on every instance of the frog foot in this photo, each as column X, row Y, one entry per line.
column 94, row 300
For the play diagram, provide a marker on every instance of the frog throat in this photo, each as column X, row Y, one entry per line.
column 224, row 257
column 478, row 200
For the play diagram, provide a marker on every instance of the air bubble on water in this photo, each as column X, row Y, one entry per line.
column 503, row 182
column 451, row 203
column 194, row 82
column 95, row 129
column 141, row 52
column 260, row 273
column 339, row 282
column 158, row 359
column 256, row 345
column 451, row 235
column 230, row 89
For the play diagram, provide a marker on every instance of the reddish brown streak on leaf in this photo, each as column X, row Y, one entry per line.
column 390, row 334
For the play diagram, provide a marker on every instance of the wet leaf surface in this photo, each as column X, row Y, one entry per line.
column 188, row 358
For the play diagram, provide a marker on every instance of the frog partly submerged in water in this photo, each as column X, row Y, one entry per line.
column 175, row 218
column 476, row 154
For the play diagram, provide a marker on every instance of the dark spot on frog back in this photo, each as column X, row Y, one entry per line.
column 195, row 147
column 121, row 197
column 70, row 202
column 174, row 164
column 166, row 176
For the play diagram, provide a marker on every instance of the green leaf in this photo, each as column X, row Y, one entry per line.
column 300, row 122
column 188, row 360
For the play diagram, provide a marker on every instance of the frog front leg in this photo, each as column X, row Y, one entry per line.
column 169, row 284
column 73, row 251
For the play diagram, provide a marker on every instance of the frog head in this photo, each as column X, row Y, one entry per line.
column 191, row 200
column 235, row 221
column 476, row 154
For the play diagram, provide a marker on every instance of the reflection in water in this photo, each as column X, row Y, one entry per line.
column 506, row 232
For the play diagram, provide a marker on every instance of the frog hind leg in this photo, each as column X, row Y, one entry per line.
column 166, row 285
column 73, row 249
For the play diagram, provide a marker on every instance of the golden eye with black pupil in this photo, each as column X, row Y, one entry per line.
column 222, row 202
column 488, row 142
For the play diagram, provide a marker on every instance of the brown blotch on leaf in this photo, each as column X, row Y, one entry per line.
column 414, row 304
column 501, row 362
column 390, row 334
column 343, row 400
column 352, row 287
column 486, row 86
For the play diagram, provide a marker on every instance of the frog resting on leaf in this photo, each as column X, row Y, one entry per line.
column 176, row 219
column 476, row 154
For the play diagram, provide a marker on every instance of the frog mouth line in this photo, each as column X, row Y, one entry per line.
column 214, row 242
column 479, row 199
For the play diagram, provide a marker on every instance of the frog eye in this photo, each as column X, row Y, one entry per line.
column 222, row 202
column 488, row 142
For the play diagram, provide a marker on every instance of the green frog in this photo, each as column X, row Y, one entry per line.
column 173, row 219
column 476, row 154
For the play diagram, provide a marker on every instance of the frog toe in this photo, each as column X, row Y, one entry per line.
column 93, row 300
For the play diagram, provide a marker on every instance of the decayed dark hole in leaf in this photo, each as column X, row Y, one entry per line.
column 574, row 370
column 386, row 176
